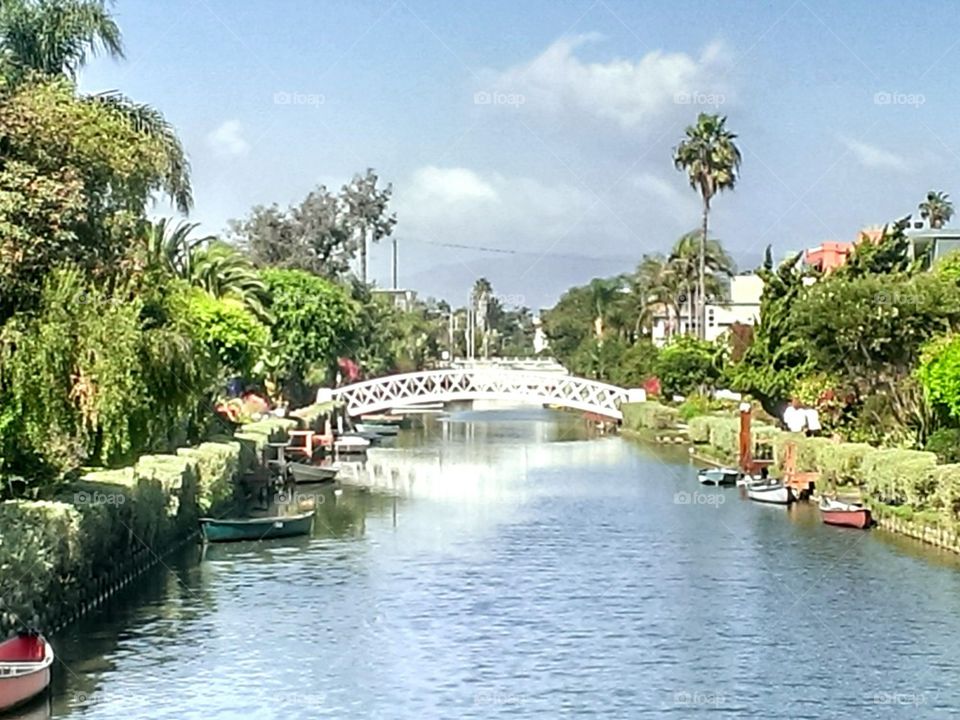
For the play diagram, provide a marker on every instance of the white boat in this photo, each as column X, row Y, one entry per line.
column 378, row 429
column 351, row 444
column 718, row 476
column 770, row 491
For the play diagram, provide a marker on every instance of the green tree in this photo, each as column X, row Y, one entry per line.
column 75, row 179
column 368, row 220
column 684, row 263
column 711, row 160
column 314, row 236
column 313, row 319
column 685, row 365
column 936, row 209
column 776, row 356
column 227, row 330
column 55, row 37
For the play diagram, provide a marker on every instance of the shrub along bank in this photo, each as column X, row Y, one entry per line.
column 907, row 490
column 59, row 557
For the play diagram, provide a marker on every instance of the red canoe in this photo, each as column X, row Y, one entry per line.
column 846, row 514
column 25, row 662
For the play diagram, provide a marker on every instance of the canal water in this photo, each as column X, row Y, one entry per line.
column 509, row 565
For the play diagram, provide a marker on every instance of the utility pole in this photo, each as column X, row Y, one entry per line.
column 395, row 263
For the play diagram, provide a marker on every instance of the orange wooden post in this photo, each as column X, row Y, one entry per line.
column 746, row 442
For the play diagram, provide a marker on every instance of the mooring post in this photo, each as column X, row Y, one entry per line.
column 746, row 445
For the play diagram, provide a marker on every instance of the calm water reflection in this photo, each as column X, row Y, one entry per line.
column 507, row 565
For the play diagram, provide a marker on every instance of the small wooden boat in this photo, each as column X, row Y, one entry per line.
column 383, row 419
column 834, row 512
column 25, row 662
column 770, row 491
column 347, row 444
column 303, row 473
column 378, row 429
column 263, row 528
column 718, row 476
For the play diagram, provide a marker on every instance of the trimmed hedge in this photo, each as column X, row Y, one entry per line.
column 312, row 417
column 648, row 416
column 59, row 557
column 722, row 434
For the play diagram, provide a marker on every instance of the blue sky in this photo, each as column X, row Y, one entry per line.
column 545, row 128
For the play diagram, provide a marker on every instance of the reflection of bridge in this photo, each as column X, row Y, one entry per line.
column 483, row 383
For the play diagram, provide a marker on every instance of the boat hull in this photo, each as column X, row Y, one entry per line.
column 771, row 494
column 718, row 476
column 850, row 516
column 24, row 670
column 256, row 529
column 303, row 474
column 378, row 429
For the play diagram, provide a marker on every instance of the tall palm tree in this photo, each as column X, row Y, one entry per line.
column 58, row 37
column 936, row 209
column 711, row 160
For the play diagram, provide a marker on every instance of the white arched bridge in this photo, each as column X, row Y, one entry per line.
column 484, row 383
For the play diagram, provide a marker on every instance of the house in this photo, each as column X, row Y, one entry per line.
column 742, row 308
column 403, row 300
column 931, row 244
column 831, row 254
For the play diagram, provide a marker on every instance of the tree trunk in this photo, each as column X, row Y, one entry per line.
column 689, row 310
column 363, row 256
column 701, row 294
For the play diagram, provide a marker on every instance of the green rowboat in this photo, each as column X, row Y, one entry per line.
column 264, row 528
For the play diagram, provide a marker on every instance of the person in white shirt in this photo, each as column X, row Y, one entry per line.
column 794, row 418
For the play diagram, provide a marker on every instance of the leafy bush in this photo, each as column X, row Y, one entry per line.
column 697, row 405
column 648, row 416
column 685, row 365
column 635, row 365
column 900, row 477
column 226, row 329
column 218, row 468
column 945, row 443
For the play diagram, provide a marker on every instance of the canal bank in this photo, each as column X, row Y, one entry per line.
column 62, row 557
column 907, row 491
column 508, row 565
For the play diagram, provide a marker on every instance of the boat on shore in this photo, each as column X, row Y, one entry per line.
column 773, row 492
column 855, row 515
column 349, row 444
column 303, row 473
column 718, row 476
column 25, row 662
column 381, row 429
column 263, row 528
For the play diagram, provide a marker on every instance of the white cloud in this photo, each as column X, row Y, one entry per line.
column 449, row 186
column 628, row 93
column 871, row 156
column 667, row 194
column 227, row 140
